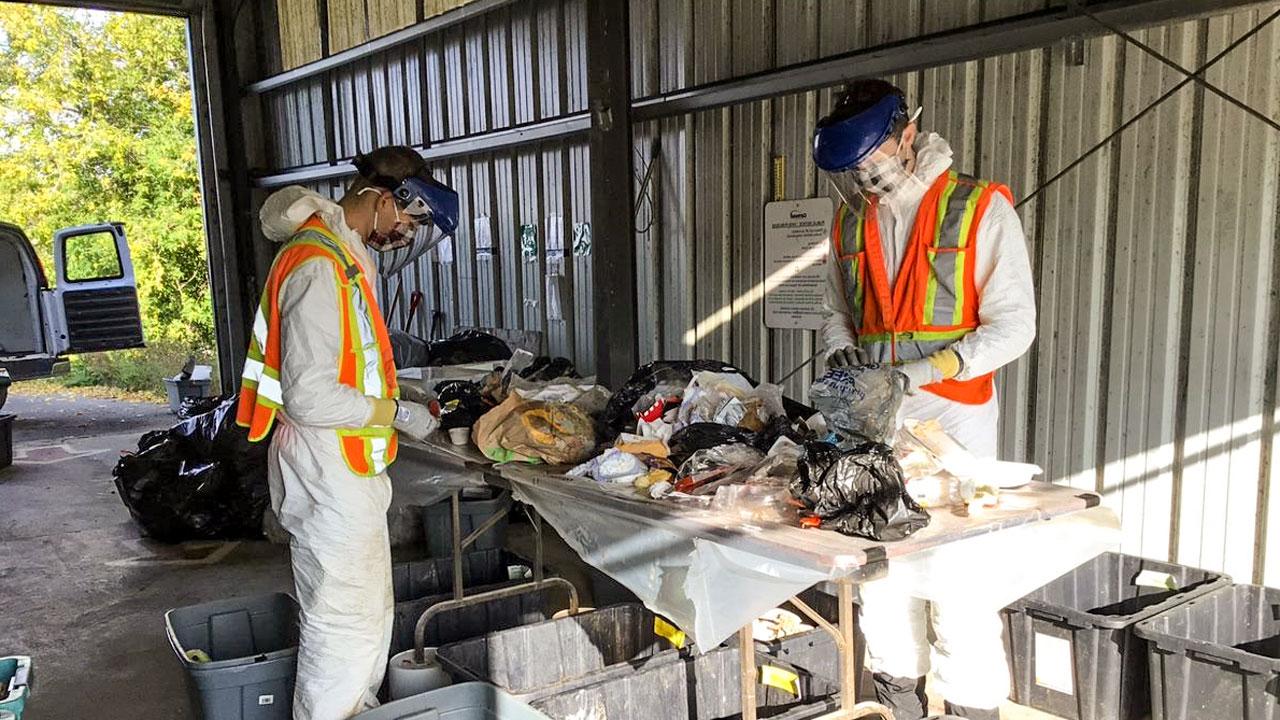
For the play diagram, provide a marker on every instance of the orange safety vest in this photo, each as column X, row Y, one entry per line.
column 933, row 301
column 365, row 362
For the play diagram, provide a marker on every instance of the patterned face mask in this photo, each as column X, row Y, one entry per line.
column 882, row 175
column 400, row 234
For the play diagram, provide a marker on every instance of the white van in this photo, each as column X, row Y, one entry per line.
column 93, row 305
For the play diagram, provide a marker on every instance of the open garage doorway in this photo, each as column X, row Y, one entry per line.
column 97, row 129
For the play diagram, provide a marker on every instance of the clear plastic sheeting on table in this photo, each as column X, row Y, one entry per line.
column 710, row 589
column 418, row 480
column 707, row 589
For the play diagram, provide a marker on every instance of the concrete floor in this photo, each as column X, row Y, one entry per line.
column 80, row 591
column 84, row 594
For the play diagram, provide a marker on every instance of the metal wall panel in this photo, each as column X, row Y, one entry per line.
column 1153, row 259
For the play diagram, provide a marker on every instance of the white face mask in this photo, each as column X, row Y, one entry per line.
column 883, row 174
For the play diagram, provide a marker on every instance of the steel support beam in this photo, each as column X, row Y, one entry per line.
column 1024, row 32
column 613, row 251
column 557, row 128
column 220, row 42
column 375, row 46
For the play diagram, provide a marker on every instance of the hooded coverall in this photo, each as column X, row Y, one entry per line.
column 337, row 520
column 968, row 655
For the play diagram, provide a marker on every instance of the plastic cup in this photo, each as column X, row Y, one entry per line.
column 459, row 435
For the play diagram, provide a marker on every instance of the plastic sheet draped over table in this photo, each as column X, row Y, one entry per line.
column 423, row 477
column 710, row 588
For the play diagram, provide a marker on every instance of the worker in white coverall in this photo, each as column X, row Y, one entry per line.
column 320, row 363
column 929, row 273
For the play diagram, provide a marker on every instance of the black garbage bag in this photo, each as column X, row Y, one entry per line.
column 199, row 480
column 618, row 414
column 408, row 351
column 859, row 491
column 700, row 436
column 461, row 403
column 468, row 346
column 194, row 406
column 544, row 368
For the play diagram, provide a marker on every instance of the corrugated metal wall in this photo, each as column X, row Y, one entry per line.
column 516, row 65
column 1153, row 378
column 1153, row 260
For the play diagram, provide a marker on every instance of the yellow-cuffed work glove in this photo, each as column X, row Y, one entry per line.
column 942, row 365
column 384, row 412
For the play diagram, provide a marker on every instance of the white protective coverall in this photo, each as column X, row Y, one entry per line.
column 968, row 654
column 338, row 520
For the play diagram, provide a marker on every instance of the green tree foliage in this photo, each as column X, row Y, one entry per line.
column 95, row 126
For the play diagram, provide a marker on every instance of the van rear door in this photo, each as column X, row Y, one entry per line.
column 95, row 303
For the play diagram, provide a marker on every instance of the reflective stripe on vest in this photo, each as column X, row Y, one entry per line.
column 933, row 301
column 365, row 362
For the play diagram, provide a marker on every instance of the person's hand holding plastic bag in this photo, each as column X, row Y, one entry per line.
column 859, row 491
column 859, row 403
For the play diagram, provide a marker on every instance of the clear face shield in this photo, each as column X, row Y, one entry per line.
column 432, row 209
column 854, row 155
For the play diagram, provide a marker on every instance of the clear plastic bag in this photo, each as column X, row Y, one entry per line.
column 859, row 403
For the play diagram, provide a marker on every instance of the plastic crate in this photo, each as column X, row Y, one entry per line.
column 1217, row 656
column 534, row 661
column 419, row 584
column 437, row 523
column 1071, row 647
column 15, row 684
column 6, row 440
column 252, row 643
column 697, row 687
column 468, row 701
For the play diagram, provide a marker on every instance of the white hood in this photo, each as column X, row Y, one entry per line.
column 287, row 208
column 933, row 157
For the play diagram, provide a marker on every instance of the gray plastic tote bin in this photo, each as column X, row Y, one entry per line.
column 534, row 661
column 1071, row 647
column 437, row 522
column 419, row 584
column 252, row 643
column 1217, row 656
column 468, row 701
column 697, row 687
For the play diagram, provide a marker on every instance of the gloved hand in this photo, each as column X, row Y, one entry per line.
column 942, row 365
column 848, row 356
column 415, row 420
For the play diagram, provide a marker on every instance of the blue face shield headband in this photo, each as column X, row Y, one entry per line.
column 842, row 144
column 433, row 208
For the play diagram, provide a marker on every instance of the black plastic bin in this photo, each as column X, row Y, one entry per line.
column 696, row 687
column 252, row 647
column 1071, row 647
column 1217, row 656
column 437, row 523
column 541, row 659
column 420, row 584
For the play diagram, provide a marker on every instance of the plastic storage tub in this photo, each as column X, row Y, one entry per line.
column 252, row 646
column 1072, row 651
column 180, row 390
column 545, row 658
column 468, row 701
column 437, row 523
column 420, row 584
column 6, row 440
column 1217, row 656
column 697, row 687
column 15, row 684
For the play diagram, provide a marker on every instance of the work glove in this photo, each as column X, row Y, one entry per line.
column 942, row 365
column 848, row 356
column 415, row 420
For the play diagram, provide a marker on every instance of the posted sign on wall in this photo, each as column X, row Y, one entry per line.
column 795, row 262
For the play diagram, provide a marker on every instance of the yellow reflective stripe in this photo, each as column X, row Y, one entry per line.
column 970, row 210
column 375, row 445
column 858, row 235
column 957, row 312
column 909, row 335
column 931, row 286
column 930, row 291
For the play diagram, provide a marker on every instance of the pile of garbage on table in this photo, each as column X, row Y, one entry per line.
column 704, row 433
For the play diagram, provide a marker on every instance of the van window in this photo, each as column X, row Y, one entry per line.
column 92, row 257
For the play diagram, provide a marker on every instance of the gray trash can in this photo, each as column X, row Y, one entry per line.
column 252, row 647
column 468, row 701
column 179, row 390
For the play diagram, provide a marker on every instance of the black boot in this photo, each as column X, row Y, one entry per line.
column 972, row 713
column 904, row 696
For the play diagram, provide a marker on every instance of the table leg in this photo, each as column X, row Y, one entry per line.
column 747, row 650
column 537, row 545
column 455, row 503
column 848, row 659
